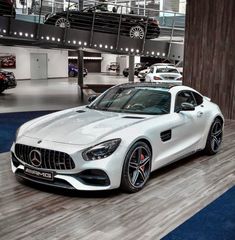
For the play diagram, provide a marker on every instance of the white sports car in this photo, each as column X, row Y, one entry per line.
column 118, row 139
column 163, row 73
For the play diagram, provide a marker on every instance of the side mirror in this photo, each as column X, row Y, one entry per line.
column 187, row 107
column 92, row 98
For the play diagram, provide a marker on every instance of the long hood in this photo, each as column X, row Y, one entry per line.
column 80, row 126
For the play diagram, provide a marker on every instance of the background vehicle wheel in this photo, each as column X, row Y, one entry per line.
column 71, row 74
column 136, row 168
column 2, row 90
column 214, row 138
column 62, row 23
column 125, row 74
column 137, row 32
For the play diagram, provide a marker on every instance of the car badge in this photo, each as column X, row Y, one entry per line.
column 35, row 158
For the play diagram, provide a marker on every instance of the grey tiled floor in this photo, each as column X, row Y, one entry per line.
column 53, row 94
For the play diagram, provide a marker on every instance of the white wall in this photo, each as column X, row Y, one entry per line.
column 107, row 59
column 57, row 61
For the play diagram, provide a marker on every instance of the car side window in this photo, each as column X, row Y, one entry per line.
column 151, row 70
column 184, row 97
column 198, row 98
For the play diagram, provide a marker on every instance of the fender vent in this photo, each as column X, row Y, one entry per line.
column 81, row 111
column 133, row 117
column 166, row 135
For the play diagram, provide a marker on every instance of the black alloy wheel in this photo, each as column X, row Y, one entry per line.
column 136, row 168
column 215, row 137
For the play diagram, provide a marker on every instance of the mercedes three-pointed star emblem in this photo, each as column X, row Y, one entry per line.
column 35, row 158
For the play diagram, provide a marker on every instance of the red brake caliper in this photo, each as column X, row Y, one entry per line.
column 142, row 159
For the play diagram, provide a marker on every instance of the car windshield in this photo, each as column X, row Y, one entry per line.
column 138, row 100
column 166, row 70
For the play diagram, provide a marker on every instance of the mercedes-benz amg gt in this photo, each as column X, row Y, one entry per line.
column 118, row 139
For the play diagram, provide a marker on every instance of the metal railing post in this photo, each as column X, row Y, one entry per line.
column 119, row 29
column 39, row 20
column 145, row 33
column 171, row 37
column 92, row 28
column 66, row 29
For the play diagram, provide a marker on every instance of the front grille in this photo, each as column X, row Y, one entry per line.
column 50, row 159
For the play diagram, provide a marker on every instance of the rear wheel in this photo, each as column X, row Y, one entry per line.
column 71, row 74
column 136, row 168
column 137, row 32
column 62, row 23
column 215, row 137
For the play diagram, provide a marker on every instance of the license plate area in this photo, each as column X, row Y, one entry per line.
column 37, row 173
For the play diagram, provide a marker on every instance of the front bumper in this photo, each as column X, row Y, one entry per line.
column 96, row 175
column 8, row 83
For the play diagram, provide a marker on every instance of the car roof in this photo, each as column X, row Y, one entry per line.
column 163, row 64
column 167, row 66
column 166, row 86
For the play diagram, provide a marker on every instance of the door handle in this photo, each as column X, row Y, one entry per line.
column 199, row 114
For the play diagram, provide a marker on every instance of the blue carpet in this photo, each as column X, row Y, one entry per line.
column 214, row 222
column 9, row 122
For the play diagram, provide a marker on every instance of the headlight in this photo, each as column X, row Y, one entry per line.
column 101, row 150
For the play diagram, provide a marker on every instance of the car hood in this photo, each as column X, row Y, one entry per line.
column 81, row 126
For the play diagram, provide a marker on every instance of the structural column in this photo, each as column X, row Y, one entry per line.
column 209, row 53
column 80, row 70
column 131, row 68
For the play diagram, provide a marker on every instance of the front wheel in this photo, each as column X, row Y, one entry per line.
column 2, row 90
column 136, row 168
column 137, row 32
column 62, row 23
column 215, row 137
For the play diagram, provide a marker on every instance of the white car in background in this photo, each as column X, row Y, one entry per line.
column 163, row 73
column 117, row 140
column 142, row 74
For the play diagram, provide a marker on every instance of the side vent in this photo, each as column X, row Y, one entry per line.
column 81, row 111
column 133, row 117
column 166, row 135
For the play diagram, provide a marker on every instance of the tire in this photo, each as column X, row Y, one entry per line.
column 136, row 168
column 214, row 138
column 2, row 90
column 71, row 74
column 62, row 23
column 137, row 32
column 125, row 74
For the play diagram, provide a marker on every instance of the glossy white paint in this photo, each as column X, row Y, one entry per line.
column 72, row 132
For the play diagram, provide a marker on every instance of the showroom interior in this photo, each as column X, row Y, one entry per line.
column 81, row 154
